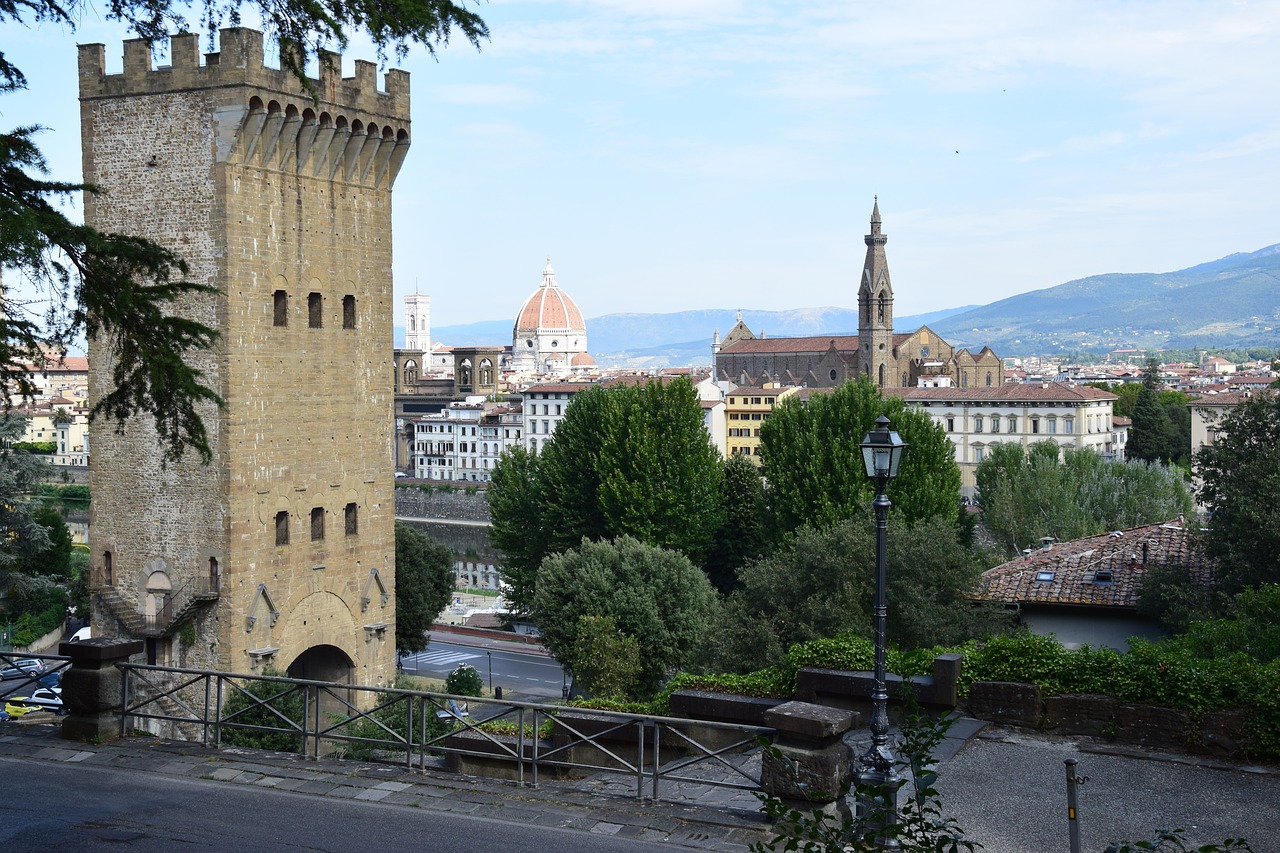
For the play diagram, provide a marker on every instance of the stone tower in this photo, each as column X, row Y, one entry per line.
column 875, row 309
column 281, row 551
column 417, row 323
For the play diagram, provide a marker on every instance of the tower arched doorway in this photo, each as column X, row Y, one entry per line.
column 323, row 663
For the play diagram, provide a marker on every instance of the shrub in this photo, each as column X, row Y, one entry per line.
column 464, row 681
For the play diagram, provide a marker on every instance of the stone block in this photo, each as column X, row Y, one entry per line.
column 1006, row 702
column 1080, row 713
column 807, row 775
column 1222, row 732
column 1150, row 725
column 721, row 707
column 803, row 723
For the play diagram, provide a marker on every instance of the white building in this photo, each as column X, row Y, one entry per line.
column 544, row 408
column 464, row 441
column 975, row 419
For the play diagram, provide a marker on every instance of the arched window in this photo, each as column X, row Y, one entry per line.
column 410, row 372
column 882, row 376
column 280, row 309
column 348, row 312
column 486, row 372
column 988, row 378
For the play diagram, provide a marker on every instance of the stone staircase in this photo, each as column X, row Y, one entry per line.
column 178, row 607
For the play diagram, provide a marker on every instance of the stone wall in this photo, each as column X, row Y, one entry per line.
column 458, row 504
column 1098, row 715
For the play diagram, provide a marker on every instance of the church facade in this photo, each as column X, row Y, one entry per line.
column 878, row 353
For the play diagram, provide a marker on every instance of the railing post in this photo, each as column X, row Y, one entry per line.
column 208, row 683
column 534, row 747
column 657, row 756
column 217, row 717
column 520, row 749
column 408, row 733
column 1073, row 814
column 640, row 760
column 94, row 689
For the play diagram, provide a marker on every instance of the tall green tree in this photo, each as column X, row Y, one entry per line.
column 655, row 596
column 742, row 535
column 813, row 464
column 55, row 559
column 821, row 583
column 1239, row 477
column 424, row 584
column 119, row 289
column 1025, row 499
column 630, row 460
column 1149, row 438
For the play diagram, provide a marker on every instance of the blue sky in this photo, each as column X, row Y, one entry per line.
column 679, row 154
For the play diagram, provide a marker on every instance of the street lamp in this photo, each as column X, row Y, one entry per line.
column 881, row 454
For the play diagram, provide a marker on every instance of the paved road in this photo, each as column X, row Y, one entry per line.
column 1008, row 790
column 518, row 673
column 88, row 809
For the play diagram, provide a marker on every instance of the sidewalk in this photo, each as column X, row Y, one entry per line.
column 703, row 818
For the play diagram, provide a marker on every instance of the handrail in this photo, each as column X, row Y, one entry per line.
column 331, row 714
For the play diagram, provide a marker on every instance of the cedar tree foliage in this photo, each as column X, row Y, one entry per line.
column 121, row 290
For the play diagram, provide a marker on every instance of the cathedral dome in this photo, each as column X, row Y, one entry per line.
column 549, row 308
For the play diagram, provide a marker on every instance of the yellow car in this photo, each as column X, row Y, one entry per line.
column 17, row 707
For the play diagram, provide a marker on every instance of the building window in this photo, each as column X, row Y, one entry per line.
column 1013, row 423
column 951, row 424
column 977, row 454
column 317, row 524
column 108, row 568
column 280, row 317
column 977, row 423
column 282, row 527
column 1053, row 426
column 348, row 312
column 315, row 310
column 1068, row 425
column 1035, row 426
column 351, row 516
column 988, row 378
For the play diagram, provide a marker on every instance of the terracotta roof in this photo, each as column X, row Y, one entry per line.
column 549, row 307
column 1049, row 391
column 558, row 388
column 816, row 343
column 1101, row 570
column 582, row 360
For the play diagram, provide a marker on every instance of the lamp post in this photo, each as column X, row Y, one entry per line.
column 881, row 454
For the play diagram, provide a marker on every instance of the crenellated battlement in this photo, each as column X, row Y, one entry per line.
column 240, row 63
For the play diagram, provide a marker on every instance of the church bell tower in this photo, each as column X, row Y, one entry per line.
column 875, row 308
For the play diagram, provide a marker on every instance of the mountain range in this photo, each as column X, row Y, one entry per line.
column 1230, row 303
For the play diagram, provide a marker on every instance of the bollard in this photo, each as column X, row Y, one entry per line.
column 1073, row 805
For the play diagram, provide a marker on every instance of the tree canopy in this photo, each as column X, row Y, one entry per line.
column 119, row 289
column 654, row 596
column 821, row 583
column 1025, row 497
column 813, row 464
column 1239, row 475
column 424, row 584
column 631, row 460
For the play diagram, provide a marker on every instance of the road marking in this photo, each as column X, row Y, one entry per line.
column 442, row 658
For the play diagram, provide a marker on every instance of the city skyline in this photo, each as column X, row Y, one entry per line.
column 714, row 154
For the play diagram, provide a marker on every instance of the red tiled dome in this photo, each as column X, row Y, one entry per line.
column 549, row 308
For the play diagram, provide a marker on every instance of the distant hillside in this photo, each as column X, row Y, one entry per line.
column 1233, row 302
column 682, row 338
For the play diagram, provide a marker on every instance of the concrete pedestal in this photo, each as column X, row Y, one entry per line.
column 91, row 688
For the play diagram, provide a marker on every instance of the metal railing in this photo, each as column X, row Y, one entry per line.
column 54, row 665
column 417, row 728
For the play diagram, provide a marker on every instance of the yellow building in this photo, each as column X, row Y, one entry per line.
column 745, row 411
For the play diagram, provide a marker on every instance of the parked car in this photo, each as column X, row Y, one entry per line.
column 51, row 679
column 41, row 699
column 21, row 668
column 4, row 715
